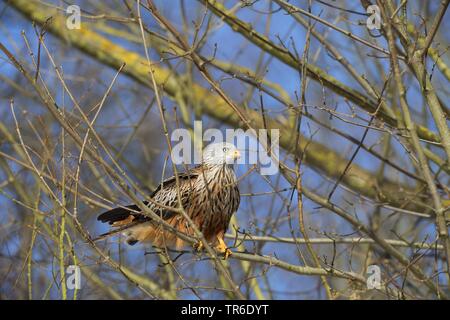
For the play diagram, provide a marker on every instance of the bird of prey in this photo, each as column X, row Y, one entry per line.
column 209, row 195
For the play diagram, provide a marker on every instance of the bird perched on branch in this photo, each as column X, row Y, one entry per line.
column 209, row 196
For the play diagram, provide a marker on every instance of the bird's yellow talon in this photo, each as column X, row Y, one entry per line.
column 227, row 253
column 222, row 248
column 198, row 246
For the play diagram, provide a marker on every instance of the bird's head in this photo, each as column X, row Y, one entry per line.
column 220, row 153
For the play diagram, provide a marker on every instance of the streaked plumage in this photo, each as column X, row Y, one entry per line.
column 209, row 195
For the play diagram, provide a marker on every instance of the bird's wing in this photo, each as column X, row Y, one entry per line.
column 165, row 194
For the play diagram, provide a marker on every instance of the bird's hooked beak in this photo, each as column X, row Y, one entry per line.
column 236, row 154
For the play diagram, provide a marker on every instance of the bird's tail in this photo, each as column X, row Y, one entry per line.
column 122, row 218
column 138, row 227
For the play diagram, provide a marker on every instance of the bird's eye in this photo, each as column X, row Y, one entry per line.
column 225, row 149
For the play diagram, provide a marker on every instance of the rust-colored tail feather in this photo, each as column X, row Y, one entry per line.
column 129, row 218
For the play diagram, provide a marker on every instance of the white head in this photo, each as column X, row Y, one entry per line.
column 220, row 153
